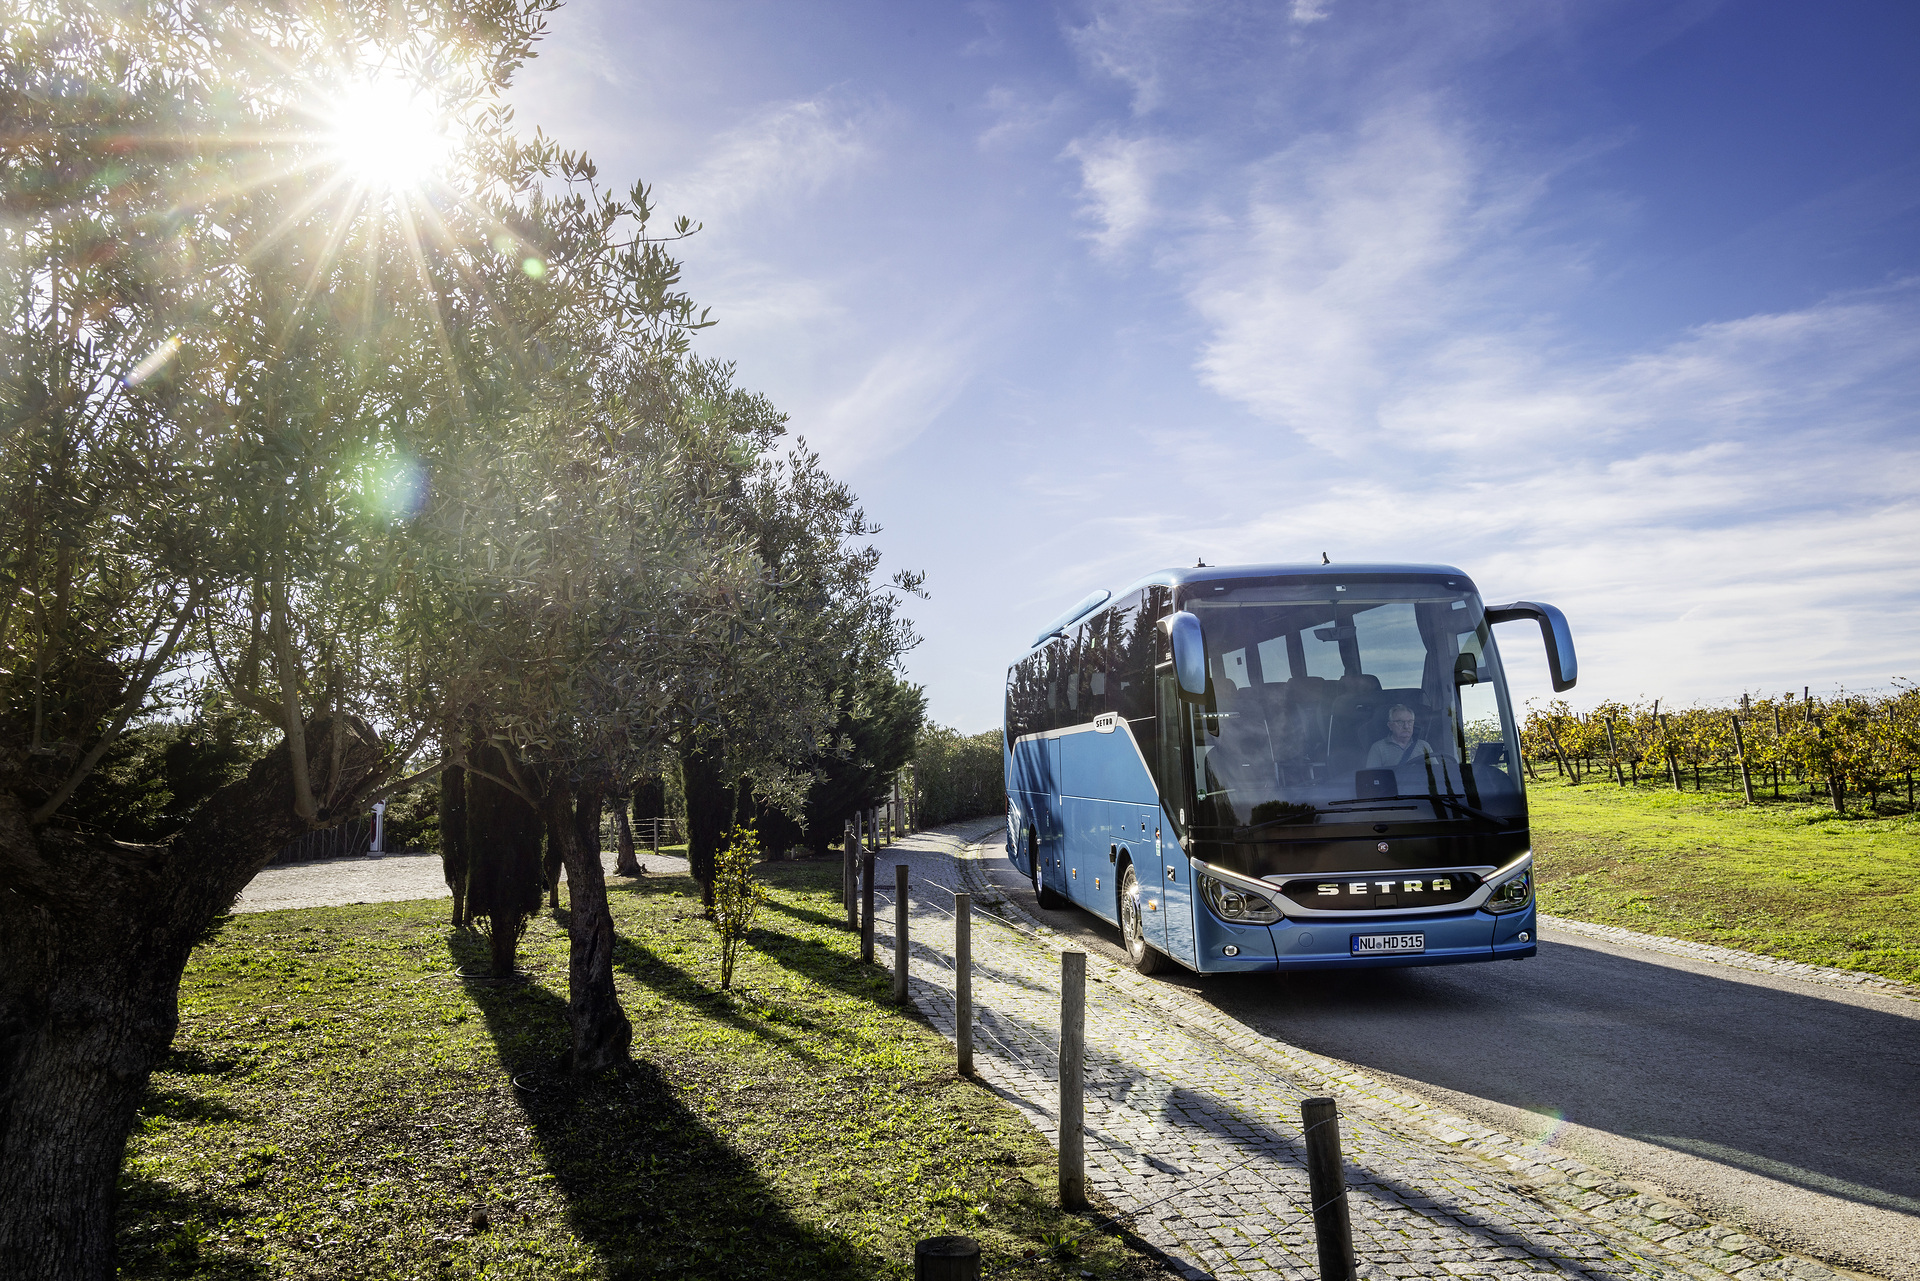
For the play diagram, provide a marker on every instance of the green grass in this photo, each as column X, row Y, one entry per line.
column 338, row 1104
column 1784, row 878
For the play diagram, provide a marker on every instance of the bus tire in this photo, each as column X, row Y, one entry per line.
column 1048, row 899
column 1133, row 936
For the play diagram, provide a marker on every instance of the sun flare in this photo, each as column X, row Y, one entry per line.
column 388, row 135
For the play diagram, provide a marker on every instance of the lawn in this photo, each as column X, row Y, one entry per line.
column 338, row 1103
column 1785, row 878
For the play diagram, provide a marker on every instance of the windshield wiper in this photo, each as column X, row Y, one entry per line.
column 1439, row 798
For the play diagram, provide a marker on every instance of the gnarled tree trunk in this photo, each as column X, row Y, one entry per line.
column 94, row 936
column 550, row 866
column 600, row 1030
column 453, row 838
column 627, row 864
column 503, row 853
column 709, row 810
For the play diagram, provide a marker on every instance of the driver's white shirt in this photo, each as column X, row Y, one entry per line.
column 1386, row 753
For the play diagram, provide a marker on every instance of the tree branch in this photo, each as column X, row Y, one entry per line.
column 135, row 699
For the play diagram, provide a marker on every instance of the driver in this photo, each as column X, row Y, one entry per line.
column 1399, row 746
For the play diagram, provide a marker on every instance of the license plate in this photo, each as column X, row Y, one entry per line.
column 1388, row 944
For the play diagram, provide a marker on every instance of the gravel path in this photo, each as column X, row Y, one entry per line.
column 391, row 878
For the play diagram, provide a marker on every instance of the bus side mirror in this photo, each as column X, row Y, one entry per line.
column 1562, row 665
column 1189, row 655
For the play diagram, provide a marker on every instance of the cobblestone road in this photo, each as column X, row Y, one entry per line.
column 1193, row 1127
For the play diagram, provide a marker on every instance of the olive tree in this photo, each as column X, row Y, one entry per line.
column 230, row 369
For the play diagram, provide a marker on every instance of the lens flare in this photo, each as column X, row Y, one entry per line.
column 396, row 488
column 1542, row 1148
column 388, row 134
column 154, row 361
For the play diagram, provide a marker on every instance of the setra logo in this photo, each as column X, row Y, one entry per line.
column 1105, row 722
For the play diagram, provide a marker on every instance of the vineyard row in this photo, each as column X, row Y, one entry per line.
column 1851, row 744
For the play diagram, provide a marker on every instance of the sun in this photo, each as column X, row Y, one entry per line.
column 388, row 135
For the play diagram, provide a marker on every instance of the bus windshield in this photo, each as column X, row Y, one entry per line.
column 1372, row 702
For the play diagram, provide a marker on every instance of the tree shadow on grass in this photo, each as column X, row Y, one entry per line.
column 673, row 983
column 186, row 1107
column 163, row 1231
column 814, row 959
column 822, row 919
column 648, row 1184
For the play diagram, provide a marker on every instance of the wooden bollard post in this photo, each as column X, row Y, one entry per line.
column 963, row 983
column 866, row 904
column 1073, row 1098
column 1326, row 1185
column 900, row 906
column 947, row 1259
column 849, row 876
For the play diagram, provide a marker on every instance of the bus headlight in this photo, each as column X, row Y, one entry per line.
column 1235, row 903
column 1513, row 893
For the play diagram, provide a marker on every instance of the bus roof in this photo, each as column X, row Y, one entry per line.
column 1218, row 573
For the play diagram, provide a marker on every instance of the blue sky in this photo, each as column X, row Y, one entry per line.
column 1614, row 305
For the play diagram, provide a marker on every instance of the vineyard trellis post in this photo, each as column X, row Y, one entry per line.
column 1666, row 745
column 1740, row 754
column 1560, row 756
column 1777, row 737
column 1613, row 755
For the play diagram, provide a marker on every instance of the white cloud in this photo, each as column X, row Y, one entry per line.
column 784, row 152
column 1350, row 248
column 1728, row 507
column 1017, row 116
column 1127, row 40
column 1117, row 178
column 899, row 395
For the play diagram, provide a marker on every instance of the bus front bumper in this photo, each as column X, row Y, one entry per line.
column 1320, row 944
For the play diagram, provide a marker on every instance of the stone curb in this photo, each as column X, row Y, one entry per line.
column 1851, row 980
column 1633, row 1218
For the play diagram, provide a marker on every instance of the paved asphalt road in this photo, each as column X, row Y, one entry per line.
column 1791, row 1109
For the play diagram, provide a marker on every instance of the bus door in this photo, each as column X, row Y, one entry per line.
column 1176, row 904
column 1053, row 832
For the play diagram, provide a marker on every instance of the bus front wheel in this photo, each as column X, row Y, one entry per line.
column 1133, row 934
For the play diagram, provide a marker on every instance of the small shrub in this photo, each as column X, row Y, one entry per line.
column 736, row 895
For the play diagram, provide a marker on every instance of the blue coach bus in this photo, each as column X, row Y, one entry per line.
column 1276, row 767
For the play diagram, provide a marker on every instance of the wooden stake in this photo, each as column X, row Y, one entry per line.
column 866, row 904
column 1740, row 749
column 900, row 907
column 963, row 982
column 1327, row 1188
column 947, row 1259
column 1666, row 742
column 850, row 873
column 1073, row 1102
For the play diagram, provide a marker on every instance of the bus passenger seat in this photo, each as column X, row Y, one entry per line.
column 1244, row 751
column 1350, row 729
